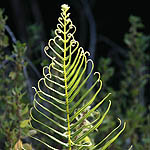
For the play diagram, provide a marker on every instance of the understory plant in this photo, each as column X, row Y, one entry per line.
column 63, row 117
column 131, row 98
column 13, row 95
column 135, row 80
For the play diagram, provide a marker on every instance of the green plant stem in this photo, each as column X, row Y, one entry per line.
column 17, row 102
column 66, row 92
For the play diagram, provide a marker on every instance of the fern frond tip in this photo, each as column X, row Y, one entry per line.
column 65, row 7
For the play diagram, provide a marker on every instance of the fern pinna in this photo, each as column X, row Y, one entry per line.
column 62, row 111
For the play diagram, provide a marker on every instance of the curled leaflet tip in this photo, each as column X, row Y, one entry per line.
column 119, row 120
column 39, row 84
column 99, row 75
column 49, row 41
column 46, row 48
column 90, row 60
column 88, row 53
column 34, row 88
column 82, row 50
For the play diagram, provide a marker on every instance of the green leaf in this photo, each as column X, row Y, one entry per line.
column 32, row 132
column 12, row 75
column 25, row 110
column 24, row 123
column 60, row 111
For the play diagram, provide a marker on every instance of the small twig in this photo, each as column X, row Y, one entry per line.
column 92, row 29
column 115, row 50
column 13, row 38
column 6, row 61
column 33, row 67
column 112, row 44
column 27, row 59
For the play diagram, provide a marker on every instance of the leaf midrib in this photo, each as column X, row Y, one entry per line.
column 65, row 78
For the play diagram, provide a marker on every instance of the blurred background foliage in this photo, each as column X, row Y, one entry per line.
column 124, row 69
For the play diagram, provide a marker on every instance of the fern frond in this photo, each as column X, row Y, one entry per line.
column 60, row 110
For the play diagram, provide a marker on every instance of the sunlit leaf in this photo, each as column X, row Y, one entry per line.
column 58, row 99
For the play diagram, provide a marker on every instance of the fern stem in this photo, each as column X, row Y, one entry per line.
column 65, row 77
